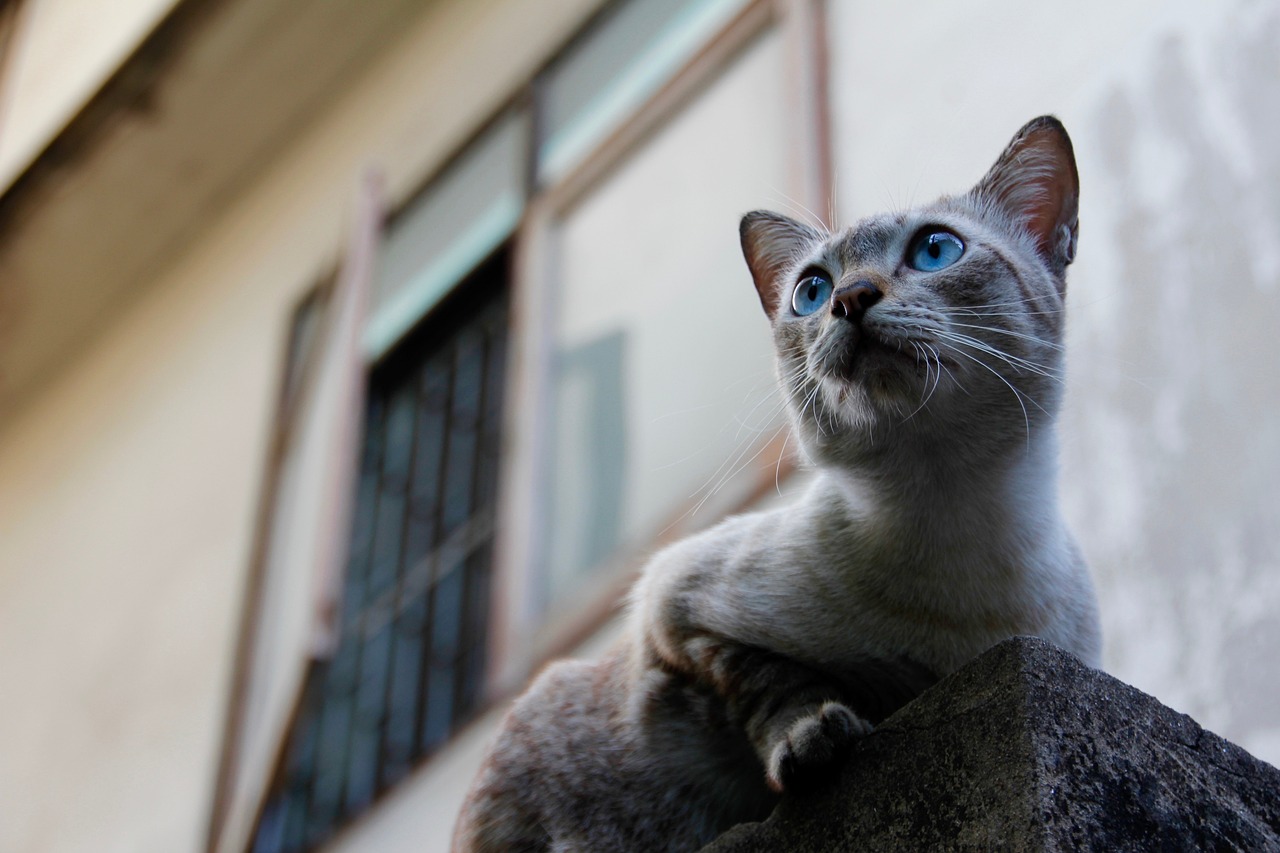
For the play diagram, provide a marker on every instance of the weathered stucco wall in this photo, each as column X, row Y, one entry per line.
column 1171, row 433
column 1174, row 433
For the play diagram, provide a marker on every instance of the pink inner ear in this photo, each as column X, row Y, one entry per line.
column 1035, row 181
column 1055, row 209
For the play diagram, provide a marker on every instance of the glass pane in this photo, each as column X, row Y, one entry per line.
column 615, row 67
column 402, row 711
column 664, row 366
column 440, row 237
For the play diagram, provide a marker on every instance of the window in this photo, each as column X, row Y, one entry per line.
column 609, row 72
column 462, row 217
column 409, row 664
column 617, row 479
column 585, row 242
column 648, row 360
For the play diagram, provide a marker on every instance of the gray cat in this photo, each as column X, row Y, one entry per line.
column 921, row 357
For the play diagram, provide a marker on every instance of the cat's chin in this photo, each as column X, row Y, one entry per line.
column 873, row 377
column 852, row 406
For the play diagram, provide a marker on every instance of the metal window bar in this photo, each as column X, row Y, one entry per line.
column 410, row 660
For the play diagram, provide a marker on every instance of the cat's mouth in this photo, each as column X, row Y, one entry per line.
column 856, row 353
column 865, row 369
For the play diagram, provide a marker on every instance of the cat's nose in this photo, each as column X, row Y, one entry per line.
column 853, row 301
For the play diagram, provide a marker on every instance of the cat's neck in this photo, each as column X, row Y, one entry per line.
column 928, row 498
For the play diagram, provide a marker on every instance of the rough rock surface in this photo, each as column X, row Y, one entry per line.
column 1027, row 749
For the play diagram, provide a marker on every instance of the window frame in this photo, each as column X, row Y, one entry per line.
column 240, row 792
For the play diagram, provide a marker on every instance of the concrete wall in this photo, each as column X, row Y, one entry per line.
column 128, row 487
column 1171, row 433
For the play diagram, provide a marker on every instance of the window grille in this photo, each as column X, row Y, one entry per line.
column 410, row 662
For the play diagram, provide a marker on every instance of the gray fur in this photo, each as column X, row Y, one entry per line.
column 759, row 649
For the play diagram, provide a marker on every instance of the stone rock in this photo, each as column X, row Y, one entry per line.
column 1027, row 749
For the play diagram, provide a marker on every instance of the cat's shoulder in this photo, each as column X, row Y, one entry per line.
column 719, row 546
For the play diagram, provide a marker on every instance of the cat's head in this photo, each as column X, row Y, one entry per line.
column 942, row 324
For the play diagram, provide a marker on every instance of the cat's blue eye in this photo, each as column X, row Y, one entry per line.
column 812, row 293
column 934, row 250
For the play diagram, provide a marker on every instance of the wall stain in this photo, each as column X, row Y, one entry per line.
column 1172, row 435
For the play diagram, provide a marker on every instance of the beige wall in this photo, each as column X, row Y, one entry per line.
column 1171, row 434
column 128, row 487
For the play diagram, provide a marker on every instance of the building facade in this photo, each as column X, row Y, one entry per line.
column 354, row 354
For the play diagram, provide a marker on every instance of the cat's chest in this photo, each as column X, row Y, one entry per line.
column 848, row 600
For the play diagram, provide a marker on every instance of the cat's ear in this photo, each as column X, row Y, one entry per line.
column 1035, row 182
column 771, row 243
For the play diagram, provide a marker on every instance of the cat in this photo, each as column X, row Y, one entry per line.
column 920, row 354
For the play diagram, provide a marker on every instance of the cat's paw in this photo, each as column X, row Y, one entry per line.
column 814, row 747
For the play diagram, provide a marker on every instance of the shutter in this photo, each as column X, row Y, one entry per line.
column 296, row 573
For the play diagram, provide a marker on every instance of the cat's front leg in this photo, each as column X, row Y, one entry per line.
column 708, row 615
column 792, row 714
column 813, row 746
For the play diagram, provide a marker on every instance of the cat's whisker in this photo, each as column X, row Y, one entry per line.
column 1012, row 334
column 1016, row 362
column 675, row 413
column 777, row 466
column 736, row 469
column 715, row 481
column 1026, row 420
column 813, row 219
column 828, row 412
column 937, row 377
column 789, row 377
column 1022, row 395
column 1017, row 308
column 812, row 399
column 954, row 380
column 832, row 196
column 711, row 485
column 808, row 399
column 927, row 373
column 927, row 391
column 702, row 451
column 1010, row 303
column 770, row 395
column 983, row 315
column 769, row 415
